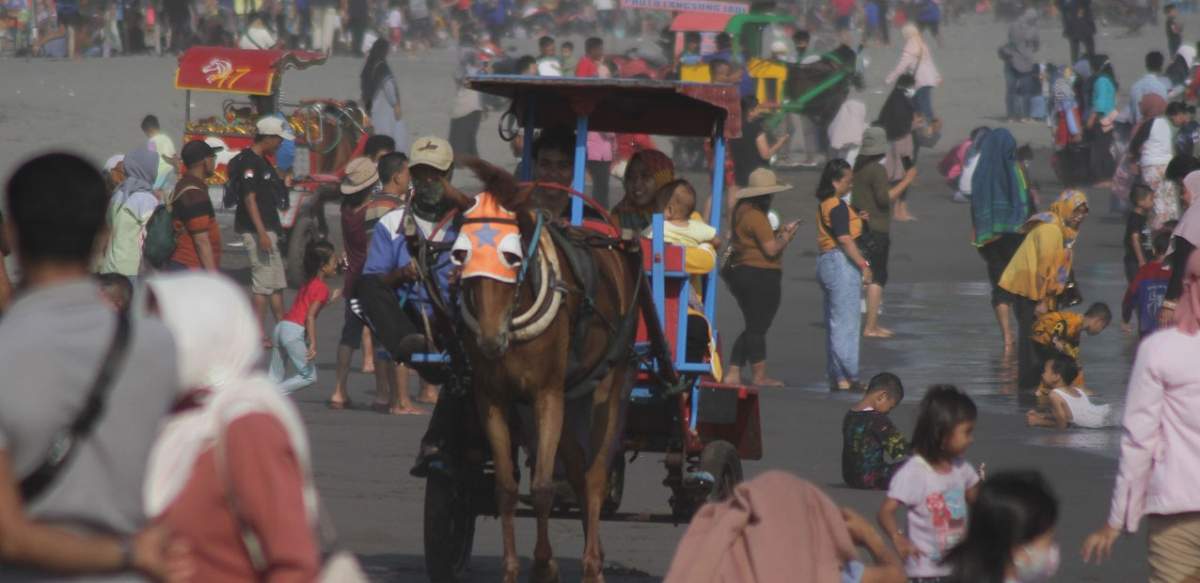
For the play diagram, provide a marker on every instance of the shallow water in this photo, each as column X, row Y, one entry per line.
column 946, row 332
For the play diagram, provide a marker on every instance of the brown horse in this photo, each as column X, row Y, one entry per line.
column 522, row 329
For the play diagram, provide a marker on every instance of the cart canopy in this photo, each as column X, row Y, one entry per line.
column 643, row 106
column 248, row 72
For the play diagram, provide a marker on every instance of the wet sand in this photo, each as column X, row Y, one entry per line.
column 937, row 302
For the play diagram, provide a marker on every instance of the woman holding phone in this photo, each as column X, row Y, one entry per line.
column 841, row 270
column 755, row 273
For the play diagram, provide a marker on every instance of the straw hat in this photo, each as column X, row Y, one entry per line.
column 874, row 142
column 762, row 182
column 361, row 173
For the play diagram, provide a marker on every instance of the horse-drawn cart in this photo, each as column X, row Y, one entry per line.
column 675, row 406
column 328, row 132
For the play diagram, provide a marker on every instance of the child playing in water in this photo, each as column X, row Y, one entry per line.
column 1148, row 288
column 935, row 485
column 1059, row 333
column 872, row 448
column 1068, row 405
column 295, row 336
column 681, row 224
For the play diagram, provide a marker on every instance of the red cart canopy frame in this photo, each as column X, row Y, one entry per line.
column 668, row 108
column 249, row 72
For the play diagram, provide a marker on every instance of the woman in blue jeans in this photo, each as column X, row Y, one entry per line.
column 841, row 271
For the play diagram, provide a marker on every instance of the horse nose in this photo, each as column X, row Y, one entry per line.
column 494, row 346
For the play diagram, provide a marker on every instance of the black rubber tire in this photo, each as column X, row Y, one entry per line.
column 720, row 458
column 303, row 232
column 616, row 488
column 449, row 529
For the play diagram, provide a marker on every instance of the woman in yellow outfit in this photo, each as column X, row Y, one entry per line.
column 1039, row 270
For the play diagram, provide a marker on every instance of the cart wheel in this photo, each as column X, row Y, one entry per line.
column 304, row 232
column 449, row 528
column 616, row 488
column 720, row 458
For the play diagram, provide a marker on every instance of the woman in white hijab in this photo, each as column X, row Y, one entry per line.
column 231, row 466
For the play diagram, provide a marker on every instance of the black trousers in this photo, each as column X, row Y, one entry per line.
column 599, row 170
column 464, row 132
column 1027, row 358
column 757, row 292
column 1089, row 44
column 397, row 332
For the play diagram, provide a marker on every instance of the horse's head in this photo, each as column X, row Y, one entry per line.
column 490, row 252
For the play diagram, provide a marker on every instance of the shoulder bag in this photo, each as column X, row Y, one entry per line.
column 337, row 565
column 65, row 443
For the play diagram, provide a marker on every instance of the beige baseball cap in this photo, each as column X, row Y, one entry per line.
column 431, row 151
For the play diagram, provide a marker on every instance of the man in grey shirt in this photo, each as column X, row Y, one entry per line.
column 88, row 522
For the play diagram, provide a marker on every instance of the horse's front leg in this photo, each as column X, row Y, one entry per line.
column 548, row 418
column 494, row 415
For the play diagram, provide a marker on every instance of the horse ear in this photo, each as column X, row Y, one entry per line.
column 499, row 182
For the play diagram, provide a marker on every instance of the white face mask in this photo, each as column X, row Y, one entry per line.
column 1036, row 565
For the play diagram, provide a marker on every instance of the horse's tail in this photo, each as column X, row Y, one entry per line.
column 498, row 181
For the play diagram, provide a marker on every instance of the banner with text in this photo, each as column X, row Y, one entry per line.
column 712, row 6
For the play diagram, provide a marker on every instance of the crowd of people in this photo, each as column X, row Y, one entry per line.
column 206, row 459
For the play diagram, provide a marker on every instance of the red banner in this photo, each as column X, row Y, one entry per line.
column 228, row 70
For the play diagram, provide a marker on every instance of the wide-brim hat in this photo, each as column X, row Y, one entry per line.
column 761, row 183
column 874, row 142
column 361, row 173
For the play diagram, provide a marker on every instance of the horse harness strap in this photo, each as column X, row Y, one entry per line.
column 580, row 379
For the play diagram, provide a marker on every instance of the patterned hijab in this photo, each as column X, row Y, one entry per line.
column 1058, row 214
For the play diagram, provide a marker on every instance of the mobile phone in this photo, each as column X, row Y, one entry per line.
column 907, row 161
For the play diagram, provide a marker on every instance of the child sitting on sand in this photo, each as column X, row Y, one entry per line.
column 681, row 225
column 1068, row 404
column 1059, row 333
column 872, row 447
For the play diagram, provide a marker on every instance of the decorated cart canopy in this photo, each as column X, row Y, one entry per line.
column 226, row 70
column 620, row 105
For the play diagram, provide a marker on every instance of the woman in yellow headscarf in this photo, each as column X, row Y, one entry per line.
column 1039, row 270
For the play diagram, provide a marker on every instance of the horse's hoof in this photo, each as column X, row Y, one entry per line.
column 544, row 572
column 510, row 576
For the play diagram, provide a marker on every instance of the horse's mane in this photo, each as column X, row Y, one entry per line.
column 498, row 181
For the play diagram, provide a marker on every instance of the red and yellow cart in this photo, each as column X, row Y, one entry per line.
column 329, row 133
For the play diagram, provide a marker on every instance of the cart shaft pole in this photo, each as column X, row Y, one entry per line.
column 718, row 205
column 577, row 182
column 187, row 109
column 527, row 142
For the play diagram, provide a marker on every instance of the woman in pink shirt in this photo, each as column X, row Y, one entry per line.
column 231, row 463
column 1160, row 451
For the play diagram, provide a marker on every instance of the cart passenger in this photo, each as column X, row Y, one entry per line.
column 647, row 172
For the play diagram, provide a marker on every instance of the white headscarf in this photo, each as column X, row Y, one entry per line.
column 1188, row 52
column 218, row 342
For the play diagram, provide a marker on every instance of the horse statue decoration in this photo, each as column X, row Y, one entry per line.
column 331, row 129
column 550, row 313
column 820, row 87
